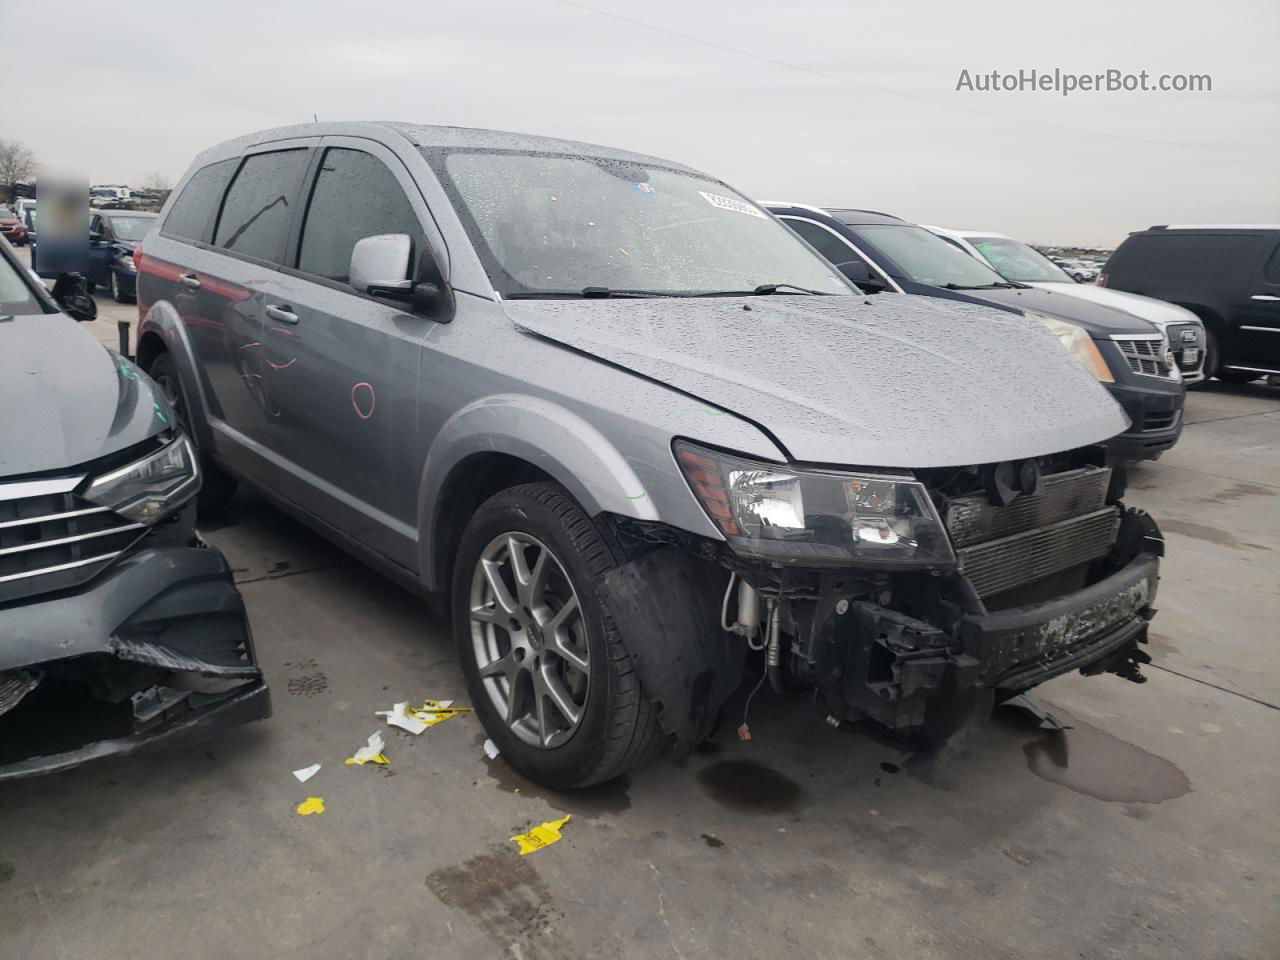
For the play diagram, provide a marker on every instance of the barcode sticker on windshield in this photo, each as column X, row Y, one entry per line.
column 729, row 203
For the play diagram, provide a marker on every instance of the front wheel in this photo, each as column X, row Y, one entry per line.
column 217, row 488
column 547, row 672
column 117, row 294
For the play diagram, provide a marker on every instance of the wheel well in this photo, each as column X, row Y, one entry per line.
column 472, row 482
column 149, row 347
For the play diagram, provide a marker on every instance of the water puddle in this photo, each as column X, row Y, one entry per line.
column 1097, row 764
column 750, row 787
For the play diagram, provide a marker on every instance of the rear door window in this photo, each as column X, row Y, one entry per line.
column 355, row 196
column 822, row 240
column 192, row 214
column 255, row 216
column 1272, row 272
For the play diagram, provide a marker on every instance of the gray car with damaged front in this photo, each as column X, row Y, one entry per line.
column 119, row 627
column 639, row 438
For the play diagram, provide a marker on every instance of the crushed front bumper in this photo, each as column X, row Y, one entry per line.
column 155, row 650
column 911, row 676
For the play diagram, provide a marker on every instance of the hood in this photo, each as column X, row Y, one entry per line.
column 67, row 399
column 1159, row 312
column 886, row 381
column 1099, row 319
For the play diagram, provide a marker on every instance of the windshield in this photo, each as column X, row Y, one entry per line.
column 16, row 297
column 925, row 257
column 1015, row 260
column 548, row 224
column 130, row 228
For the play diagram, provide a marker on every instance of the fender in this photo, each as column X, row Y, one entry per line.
column 163, row 321
column 545, row 434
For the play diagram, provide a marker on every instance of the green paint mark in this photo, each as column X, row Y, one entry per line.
column 638, row 496
column 163, row 418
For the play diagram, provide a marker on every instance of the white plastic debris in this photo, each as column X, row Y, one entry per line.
column 398, row 716
column 306, row 773
column 371, row 753
column 490, row 749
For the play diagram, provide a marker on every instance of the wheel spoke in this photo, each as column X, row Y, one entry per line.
column 561, row 618
column 540, row 706
column 513, row 697
column 501, row 595
column 488, row 614
column 554, row 688
column 560, row 647
column 519, row 567
column 503, row 666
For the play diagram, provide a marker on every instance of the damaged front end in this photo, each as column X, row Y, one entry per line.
column 910, row 601
column 114, row 635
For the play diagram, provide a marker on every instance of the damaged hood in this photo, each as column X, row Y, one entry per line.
column 67, row 399
column 888, row 381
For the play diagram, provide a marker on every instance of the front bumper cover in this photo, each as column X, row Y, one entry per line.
column 906, row 674
column 156, row 650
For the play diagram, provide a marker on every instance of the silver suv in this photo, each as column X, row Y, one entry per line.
column 632, row 429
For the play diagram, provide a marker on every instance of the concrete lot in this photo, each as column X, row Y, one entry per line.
column 1150, row 829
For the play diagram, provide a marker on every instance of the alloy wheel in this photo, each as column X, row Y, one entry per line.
column 529, row 639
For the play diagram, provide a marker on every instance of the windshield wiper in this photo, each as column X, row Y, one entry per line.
column 764, row 290
column 984, row 286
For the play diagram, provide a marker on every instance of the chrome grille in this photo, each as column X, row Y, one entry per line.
column 1144, row 355
column 1179, row 343
column 973, row 519
column 51, row 539
column 1007, row 562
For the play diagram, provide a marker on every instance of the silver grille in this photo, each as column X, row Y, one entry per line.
column 1145, row 355
column 1007, row 562
column 51, row 539
column 973, row 519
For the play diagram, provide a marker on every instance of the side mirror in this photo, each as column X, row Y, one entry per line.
column 380, row 267
column 71, row 293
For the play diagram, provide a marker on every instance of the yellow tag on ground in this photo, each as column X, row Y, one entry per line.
column 311, row 805
column 541, row 836
column 433, row 711
column 379, row 758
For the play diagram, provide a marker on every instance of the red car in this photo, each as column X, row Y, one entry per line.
column 11, row 229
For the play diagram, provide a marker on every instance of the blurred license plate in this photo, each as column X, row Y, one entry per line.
column 1190, row 356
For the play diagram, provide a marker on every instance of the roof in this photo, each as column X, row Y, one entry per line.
column 1215, row 226
column 855, row 216
column 425, row 135
column 844, row 215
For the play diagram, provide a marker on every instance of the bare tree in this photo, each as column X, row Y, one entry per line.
column 157, row 182
column 17, row 162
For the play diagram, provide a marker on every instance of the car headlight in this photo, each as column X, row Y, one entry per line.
column 1077, row 342
column 149, row 488
column 820, row 518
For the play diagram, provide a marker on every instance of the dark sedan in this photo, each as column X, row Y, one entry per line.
column 113, row 235
column 883, row 253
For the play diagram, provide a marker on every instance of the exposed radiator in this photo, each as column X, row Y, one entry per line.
column 973, row 519
column 1007, row 562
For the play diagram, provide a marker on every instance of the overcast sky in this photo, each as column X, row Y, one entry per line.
column 821, row 101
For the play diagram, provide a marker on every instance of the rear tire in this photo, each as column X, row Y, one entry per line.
column 528, row 562
column 217, row 487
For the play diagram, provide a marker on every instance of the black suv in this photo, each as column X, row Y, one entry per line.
column 1227, row 275
column 883, row 253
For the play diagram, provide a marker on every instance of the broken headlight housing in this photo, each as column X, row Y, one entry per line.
column 786, row 515
column 150, row 488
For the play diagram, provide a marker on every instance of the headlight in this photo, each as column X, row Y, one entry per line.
column 810, row 517
column 151, row 487
column 1077, row 343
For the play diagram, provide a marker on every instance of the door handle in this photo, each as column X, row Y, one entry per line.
column 1265, row 298
column 282, row 313
column 190, row 281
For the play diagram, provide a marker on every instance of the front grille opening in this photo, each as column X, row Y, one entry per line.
column 1143, row 355
column 51, row 541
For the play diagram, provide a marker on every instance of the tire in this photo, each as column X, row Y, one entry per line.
column 1237, row 376
column 217, row 487
column 90, row 286
column 616, row 728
